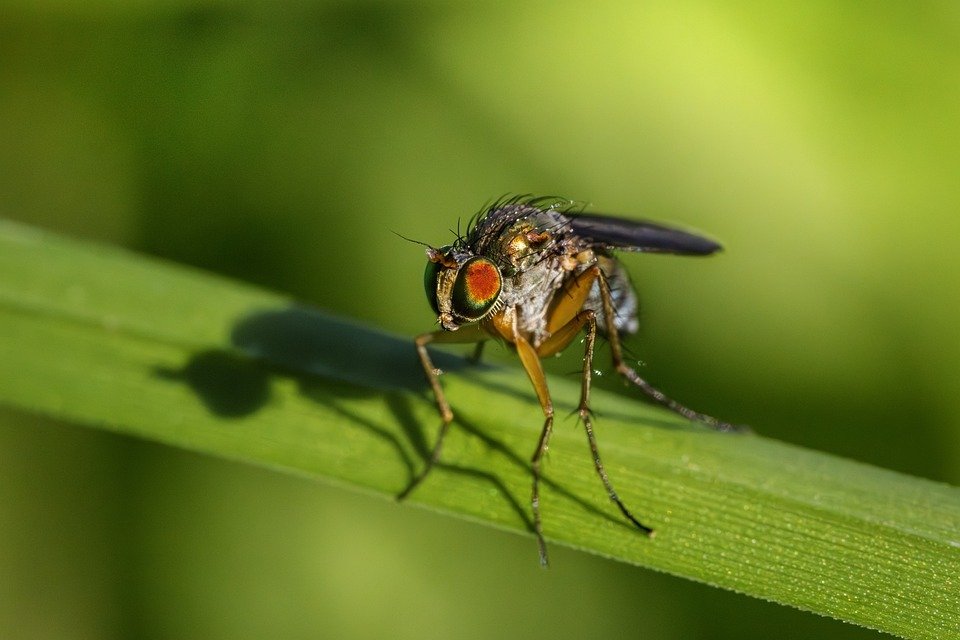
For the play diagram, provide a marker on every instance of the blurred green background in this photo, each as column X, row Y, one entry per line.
column 282, row 144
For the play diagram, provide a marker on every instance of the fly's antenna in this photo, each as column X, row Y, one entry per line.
column 423, row 244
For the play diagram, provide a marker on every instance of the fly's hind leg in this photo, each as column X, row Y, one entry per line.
column 649, row 390
column 465, row 335
column 589, row 317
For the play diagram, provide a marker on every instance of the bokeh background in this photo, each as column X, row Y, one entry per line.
column 283, row 143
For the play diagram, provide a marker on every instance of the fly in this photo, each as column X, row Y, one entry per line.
column 535, row 273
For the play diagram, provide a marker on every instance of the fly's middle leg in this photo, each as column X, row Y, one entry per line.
column 584, row 411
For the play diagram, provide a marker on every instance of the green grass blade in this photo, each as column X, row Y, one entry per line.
column 112, row 340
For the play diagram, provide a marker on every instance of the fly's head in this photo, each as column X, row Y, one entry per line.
column 512, row 240
column 461, row 286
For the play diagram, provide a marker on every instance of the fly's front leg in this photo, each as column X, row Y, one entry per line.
column 649, row 390
column 589, row 317
column 467, row 334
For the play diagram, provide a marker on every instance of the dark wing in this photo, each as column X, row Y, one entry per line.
column 637, row 235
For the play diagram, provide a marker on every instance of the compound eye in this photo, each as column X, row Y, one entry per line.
column 476, row 288
column 430, row 275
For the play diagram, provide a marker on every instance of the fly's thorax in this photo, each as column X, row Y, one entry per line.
column 519, row 236
column 524, row 245
column 530, row 293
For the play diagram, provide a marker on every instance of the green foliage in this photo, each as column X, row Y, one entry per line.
column 103, row 338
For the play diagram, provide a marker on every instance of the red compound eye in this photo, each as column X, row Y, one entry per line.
column 483, row 280
column 476, row 288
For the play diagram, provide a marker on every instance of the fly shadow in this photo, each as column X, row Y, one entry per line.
column 333, row 360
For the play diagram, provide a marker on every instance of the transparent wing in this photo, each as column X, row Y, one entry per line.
column 638, row 235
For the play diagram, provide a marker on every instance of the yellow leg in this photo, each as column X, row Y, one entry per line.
column 570, row 300
column 473, row 333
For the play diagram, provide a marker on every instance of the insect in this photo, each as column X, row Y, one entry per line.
column 535, row 273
